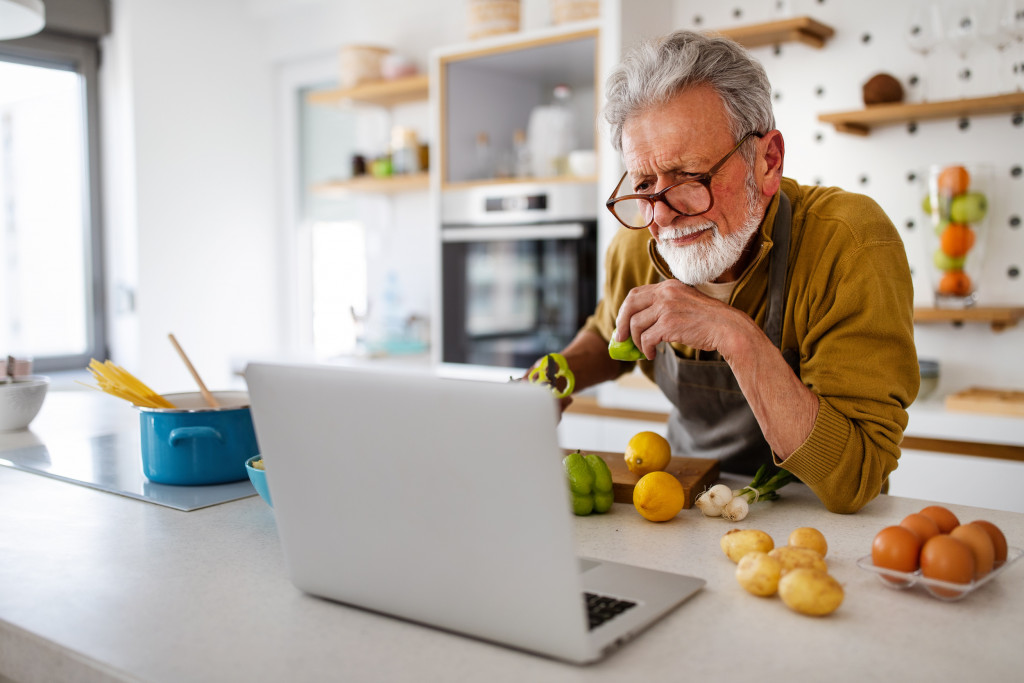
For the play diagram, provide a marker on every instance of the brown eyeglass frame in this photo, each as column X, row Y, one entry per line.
column 704, row 179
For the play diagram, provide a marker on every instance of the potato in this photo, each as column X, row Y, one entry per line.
column 793, row 557
column 810, row 591
column 809, row 537
column 759, row 573
column 739, row 542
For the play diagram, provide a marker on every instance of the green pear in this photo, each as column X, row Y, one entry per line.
column 945, row 262
column 968, row 208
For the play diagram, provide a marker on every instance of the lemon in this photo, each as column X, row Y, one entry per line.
column 658, row 496
column 647, row 452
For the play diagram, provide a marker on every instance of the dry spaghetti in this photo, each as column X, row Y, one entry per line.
column 117, row 381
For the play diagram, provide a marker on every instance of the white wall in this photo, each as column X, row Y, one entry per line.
column 190, row 188
column 806, row 81
column 194, row 213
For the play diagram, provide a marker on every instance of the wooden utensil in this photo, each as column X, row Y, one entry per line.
column 207, row 396
column 695, row 474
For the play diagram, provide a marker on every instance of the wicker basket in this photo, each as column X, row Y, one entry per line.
column 563, row 11
column 492, row 17
column 361, row 64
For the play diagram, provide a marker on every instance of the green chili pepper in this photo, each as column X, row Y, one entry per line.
column 625, row 350
column 549, row 369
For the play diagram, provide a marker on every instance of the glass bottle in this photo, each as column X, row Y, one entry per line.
column 484, row 162
column 521, row 155
column 562, row 129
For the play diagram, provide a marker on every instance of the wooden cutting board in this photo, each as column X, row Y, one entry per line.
column 983, row 400
column 695, row 474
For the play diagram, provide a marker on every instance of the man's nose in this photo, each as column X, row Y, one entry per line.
column 663, row 213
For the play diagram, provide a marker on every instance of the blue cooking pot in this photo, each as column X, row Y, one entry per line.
column 194, row 444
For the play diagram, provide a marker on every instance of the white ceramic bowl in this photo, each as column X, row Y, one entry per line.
column 21, row 400
column 583, row 162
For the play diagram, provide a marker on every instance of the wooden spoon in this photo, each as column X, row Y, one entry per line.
column 207, row 396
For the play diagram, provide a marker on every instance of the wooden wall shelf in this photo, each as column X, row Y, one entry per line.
column 861, row 121
column 466, row 184
column 380, row 93
column 999, row 318
column 798, row 29
column 369, row 184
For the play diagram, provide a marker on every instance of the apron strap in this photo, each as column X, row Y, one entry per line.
column 777, row 271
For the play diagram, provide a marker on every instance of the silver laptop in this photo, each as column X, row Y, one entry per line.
column 443, row 502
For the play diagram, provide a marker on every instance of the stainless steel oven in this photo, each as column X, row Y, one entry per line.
column 518, row 271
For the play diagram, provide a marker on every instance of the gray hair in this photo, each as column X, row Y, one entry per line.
column 657, row 70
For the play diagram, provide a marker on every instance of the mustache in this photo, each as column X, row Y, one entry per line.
column 677, row 232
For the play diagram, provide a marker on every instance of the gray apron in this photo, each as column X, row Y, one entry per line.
column 710, row 417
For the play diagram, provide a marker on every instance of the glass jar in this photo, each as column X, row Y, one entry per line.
column 956, row 205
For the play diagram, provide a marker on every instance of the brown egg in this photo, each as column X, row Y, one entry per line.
column 998, row 541
column 981, row 545
column 945, row 519
column 895, row 547
column 922, row 525
column 947, row 559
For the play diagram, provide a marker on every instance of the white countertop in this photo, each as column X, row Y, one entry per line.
column 97, row 587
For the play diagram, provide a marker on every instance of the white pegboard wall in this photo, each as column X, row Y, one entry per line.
column 890, row 165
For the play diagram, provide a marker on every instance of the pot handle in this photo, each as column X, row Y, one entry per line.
column 182, row 433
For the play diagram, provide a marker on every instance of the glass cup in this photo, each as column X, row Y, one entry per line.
column 923, row 33
column 956, row 204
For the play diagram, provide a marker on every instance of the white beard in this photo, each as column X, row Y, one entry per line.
column 705, row 261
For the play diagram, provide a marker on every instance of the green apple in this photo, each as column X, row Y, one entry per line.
column 941, row 226
column 945, row 262
column 968, row 208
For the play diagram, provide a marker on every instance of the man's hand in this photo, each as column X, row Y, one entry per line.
column 674, row 312
column 587, row 357
column 671, row 311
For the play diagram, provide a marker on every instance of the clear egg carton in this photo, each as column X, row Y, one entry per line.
column 943, row 590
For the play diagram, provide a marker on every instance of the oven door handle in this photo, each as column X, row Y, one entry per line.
column 508, row 233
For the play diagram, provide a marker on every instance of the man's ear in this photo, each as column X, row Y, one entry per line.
column 771, row 150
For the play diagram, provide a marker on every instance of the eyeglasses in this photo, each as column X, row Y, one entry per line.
column 691, row 197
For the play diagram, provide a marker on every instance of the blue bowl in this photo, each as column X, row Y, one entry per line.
column 258, row 479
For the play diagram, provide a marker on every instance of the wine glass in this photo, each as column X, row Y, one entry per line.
column 962, row 31
column 998, row 29
column 923, row 34
column 1012, row 17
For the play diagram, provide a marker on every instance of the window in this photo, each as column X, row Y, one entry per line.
column 51, row 280
column 339, row 286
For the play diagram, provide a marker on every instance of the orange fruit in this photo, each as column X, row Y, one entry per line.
column 658, row 496
column 953, row 180
column 956, row 240
column 955, row 283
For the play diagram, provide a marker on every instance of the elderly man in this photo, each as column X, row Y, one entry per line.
column 776, row 317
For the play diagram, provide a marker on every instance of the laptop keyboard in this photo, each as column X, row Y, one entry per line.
column 601, row 608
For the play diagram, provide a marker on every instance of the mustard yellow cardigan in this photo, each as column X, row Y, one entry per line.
column 849, row 315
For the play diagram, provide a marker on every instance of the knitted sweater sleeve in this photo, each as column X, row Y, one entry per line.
column 854, row 321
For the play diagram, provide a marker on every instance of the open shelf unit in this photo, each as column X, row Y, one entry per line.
column 381, row 93
column 797, row 29
column 999, row 318
column 861, row 121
